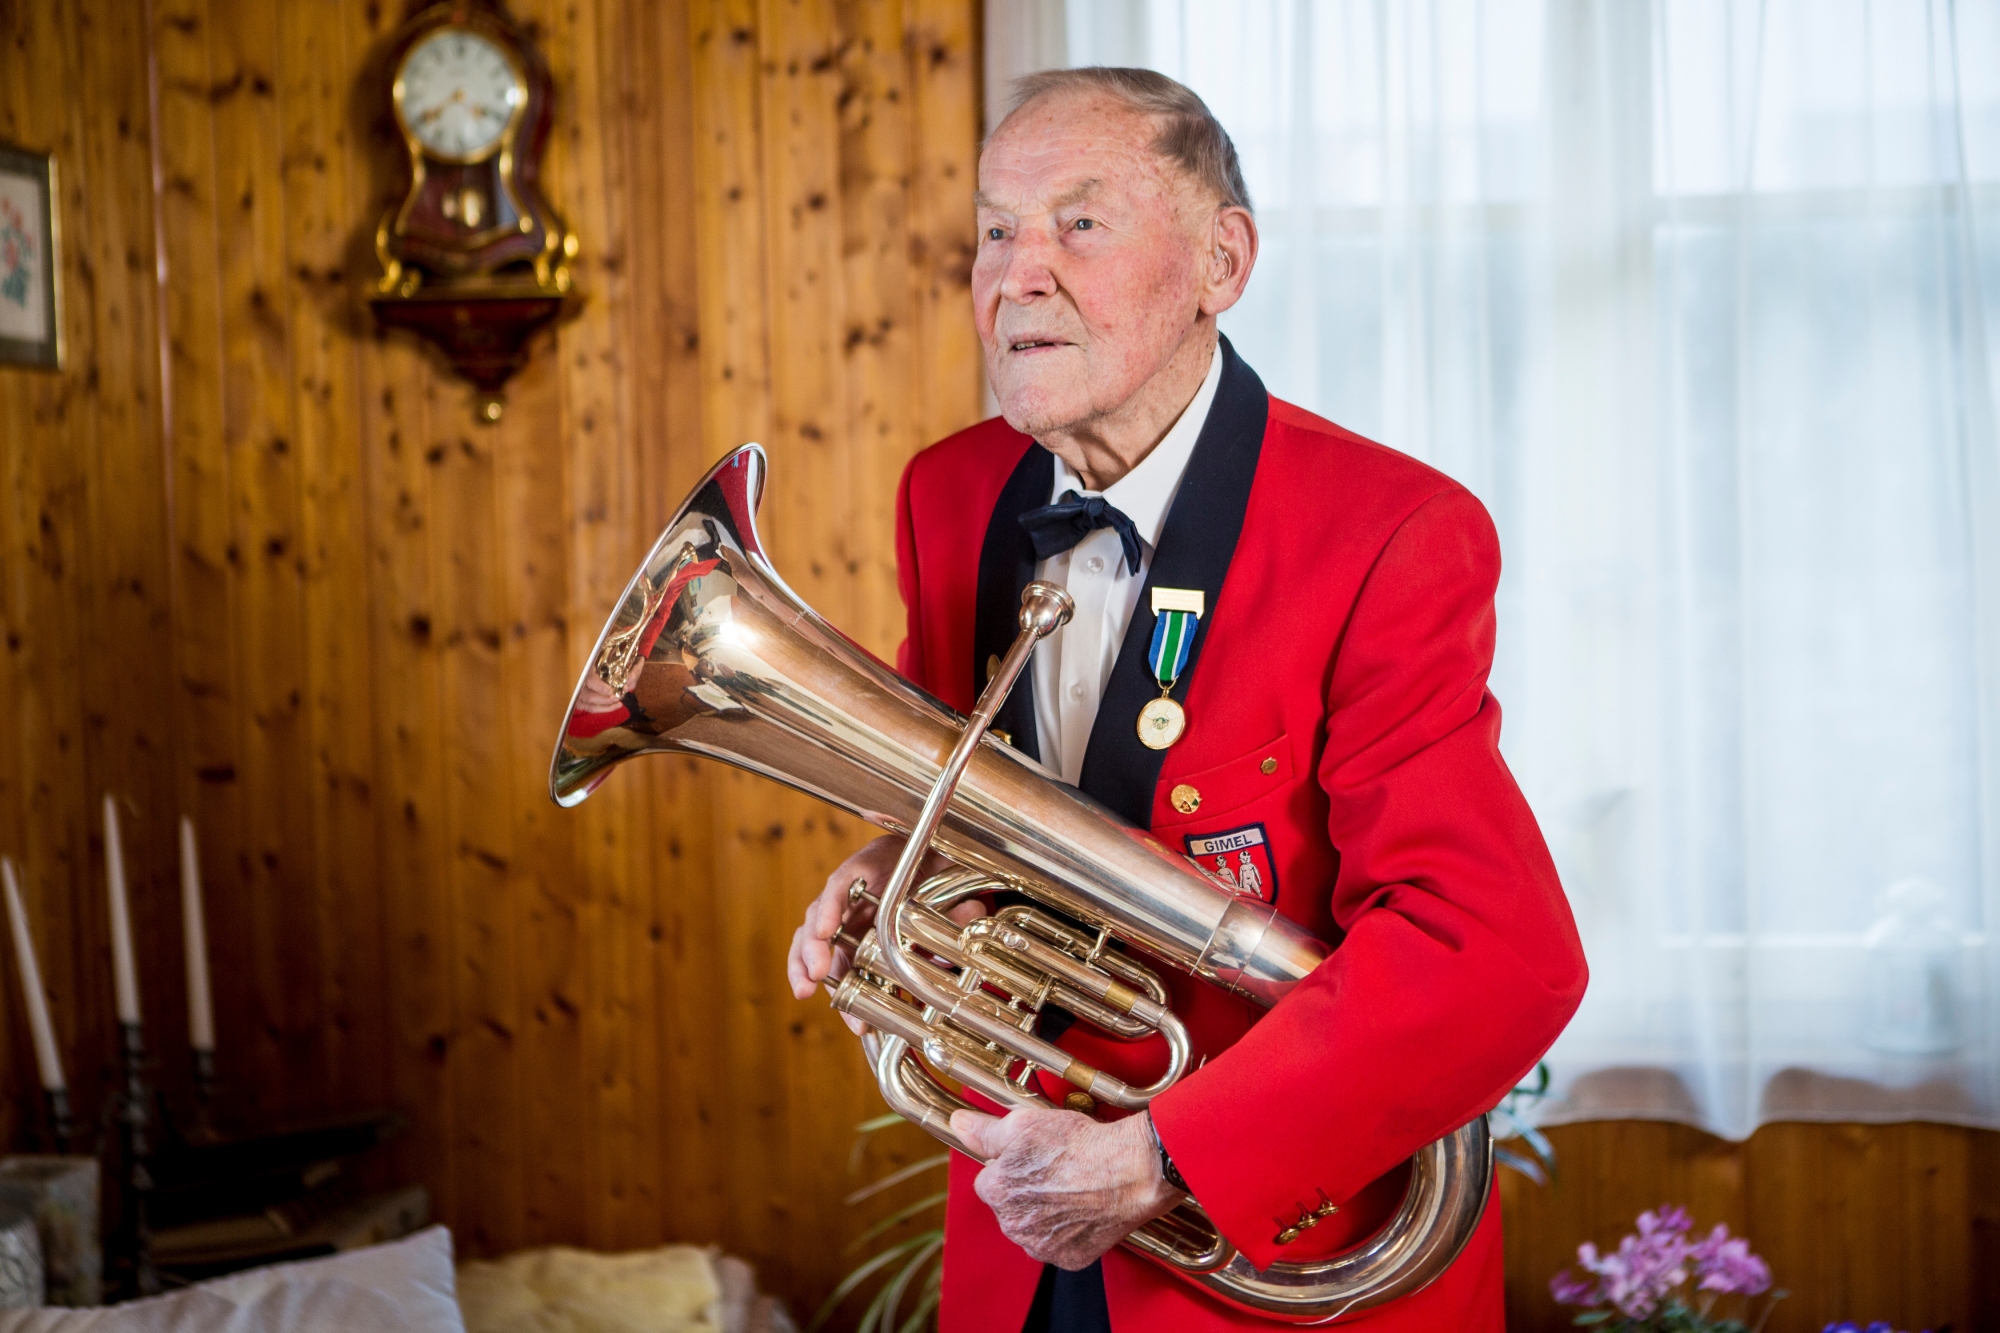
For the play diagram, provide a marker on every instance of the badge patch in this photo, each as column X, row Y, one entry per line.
column 1240, row 858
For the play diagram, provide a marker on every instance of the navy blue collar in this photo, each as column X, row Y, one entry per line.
column 1006, row 566
column 1194, row 551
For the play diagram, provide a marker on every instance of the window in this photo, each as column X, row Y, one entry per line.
column 1695, row 296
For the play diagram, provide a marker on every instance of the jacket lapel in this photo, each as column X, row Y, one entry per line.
column 1006, row 565
column 1195, row 549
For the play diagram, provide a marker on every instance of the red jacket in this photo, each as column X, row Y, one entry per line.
column 1341, row 735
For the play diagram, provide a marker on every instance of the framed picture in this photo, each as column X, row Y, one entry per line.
column 30, row 316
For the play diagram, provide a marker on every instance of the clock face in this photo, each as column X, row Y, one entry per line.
column 457, row 93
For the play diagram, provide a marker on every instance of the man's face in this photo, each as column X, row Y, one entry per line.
column 1088, row 273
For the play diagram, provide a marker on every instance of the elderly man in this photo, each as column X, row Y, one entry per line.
column 1311, row 718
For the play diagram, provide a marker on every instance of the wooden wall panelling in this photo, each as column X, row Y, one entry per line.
column 945, row 98
column 479, row 796
column 265, row 501
column 883, row 418
column 546, row 890
column 405, row 677
column 675, row 966
column 1606, row 1175
column 52, row 577
column 1828, row 1194
column 814, row 464
column 410, row 764
column 1858, row 1222
column 486, row 546
column 730, row 221
column 130, row 714
column 608, row 920
column 1984, row 1183
column 205, row 551
column 321, row 184
column 20, row 699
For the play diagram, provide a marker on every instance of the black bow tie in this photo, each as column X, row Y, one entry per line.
column 1058, row 527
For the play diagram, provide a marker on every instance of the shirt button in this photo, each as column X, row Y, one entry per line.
column 1094, row 565
column 1076, row 690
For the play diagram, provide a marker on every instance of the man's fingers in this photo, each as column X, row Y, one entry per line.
column 797, row 970
column 979, row 1133
column 829, row 908
column 815, row 954
column 965, row 913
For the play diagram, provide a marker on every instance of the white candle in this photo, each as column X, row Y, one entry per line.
column 124, row 974
column 31, row 984
column 194, row 931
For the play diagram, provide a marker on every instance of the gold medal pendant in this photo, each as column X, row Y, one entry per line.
column 1161, row 723
column 1176, row 616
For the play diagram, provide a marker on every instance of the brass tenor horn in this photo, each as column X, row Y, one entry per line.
column 709, row 653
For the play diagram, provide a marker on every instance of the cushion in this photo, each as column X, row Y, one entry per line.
column 405, row 1286
column 674, row 1289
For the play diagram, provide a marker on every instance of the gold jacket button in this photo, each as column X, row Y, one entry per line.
column 1269, row 766
column 1185, row 799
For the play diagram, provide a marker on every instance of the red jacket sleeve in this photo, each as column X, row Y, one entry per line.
column 1459, row 964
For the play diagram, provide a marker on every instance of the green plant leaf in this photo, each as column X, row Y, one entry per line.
column 916, row 1168
column 859, row 1276
column 871, row 1318
column 901, row 1215
column 861, row 1133
column 901, row 1282
column 1526, row 1166
column 1540, row 1143
column 933, row 1293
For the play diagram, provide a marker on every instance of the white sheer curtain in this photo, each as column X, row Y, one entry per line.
column 1694, row 294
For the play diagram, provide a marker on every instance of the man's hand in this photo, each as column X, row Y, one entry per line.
column 814, row 956
column 1066, row 1188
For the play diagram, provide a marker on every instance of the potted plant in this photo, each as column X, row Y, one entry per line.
column 1660, row 1281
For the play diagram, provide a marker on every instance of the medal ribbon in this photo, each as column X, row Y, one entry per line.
column 1173, row 635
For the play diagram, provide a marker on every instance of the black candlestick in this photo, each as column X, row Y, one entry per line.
column 60, row 1128
column 204, row 1092
column 134, row 1117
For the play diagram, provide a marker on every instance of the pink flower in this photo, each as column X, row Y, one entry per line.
column 1640, row 1277
column 1646, row 1267
column 1570, row 1290
column 1726, row 1265
column 1671, row 1221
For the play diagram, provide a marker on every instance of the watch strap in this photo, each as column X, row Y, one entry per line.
column 1168, row 1170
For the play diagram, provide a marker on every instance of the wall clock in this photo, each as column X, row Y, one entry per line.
column 474, row 258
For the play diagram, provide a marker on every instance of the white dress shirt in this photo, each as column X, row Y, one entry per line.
column 1073, row 664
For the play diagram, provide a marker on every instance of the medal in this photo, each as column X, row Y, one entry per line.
column 1161, row 723
column 1176, row 617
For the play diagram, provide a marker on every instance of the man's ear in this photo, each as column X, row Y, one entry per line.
column 1232, row 253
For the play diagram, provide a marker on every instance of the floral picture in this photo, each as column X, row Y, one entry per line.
column 29, row 322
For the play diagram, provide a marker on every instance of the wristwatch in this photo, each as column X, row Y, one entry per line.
column 1168, row 1170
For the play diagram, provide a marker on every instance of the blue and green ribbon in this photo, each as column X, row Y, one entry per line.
column 1173, row 635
